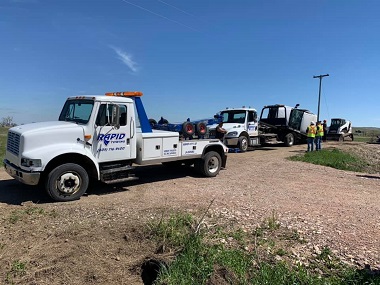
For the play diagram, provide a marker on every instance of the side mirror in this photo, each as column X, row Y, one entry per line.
column 115, row 119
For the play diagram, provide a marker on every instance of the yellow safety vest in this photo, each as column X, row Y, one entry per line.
column 320, row 132
column 311, row 131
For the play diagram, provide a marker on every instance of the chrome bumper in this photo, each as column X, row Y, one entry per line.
column 28, row 178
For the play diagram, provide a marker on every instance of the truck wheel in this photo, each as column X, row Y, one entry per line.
column 67, row 182
column 289, row 139
column 210, row 164
column 188, row 129
column 152, row 122
column 243, row 143
column 201, row 129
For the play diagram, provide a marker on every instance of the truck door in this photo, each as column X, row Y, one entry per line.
column 112, row 143
column 252, row 124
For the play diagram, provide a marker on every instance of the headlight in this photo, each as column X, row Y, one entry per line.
column 232, row 134
column 30, row 162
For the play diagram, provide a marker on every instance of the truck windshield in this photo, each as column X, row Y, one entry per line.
column 336, row 122
column 78, row 111
column 233, row 116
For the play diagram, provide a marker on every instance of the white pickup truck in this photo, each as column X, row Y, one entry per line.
column 100, row 138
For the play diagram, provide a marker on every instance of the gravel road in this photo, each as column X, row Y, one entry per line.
column 328, row 207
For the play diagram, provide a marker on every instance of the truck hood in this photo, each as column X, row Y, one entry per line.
column 228, row 126
column 30, row 137
column 43, row 126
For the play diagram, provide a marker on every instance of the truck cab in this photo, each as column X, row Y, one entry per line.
column 241, row 125
column 100, row 138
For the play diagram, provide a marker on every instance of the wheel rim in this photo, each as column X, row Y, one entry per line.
column 213, row 164
column 244, row 144
column 68, row 183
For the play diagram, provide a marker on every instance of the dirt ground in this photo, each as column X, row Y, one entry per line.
column 100, row 239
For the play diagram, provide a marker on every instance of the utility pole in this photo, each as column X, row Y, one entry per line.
column 320, row 86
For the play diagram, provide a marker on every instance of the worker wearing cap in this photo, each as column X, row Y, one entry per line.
column 310, row 132
column 324, row 130
column 318, row 136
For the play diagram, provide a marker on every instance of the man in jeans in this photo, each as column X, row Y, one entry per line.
column 310, row 132
column 319, row 136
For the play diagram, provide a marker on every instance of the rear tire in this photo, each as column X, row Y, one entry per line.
column 67, row 182
column 210, row 164
column 289, row 139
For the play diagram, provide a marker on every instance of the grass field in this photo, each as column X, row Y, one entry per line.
column 3, row 142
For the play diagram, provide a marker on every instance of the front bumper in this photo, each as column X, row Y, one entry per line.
column 231, row 141
column 29, row 178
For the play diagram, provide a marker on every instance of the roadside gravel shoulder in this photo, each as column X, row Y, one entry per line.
column 326, row 207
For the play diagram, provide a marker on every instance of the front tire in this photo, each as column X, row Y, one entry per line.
column 243, row 143
column 67, row 182
column 210, row 164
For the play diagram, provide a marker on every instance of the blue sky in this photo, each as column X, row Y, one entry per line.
column 191, row 58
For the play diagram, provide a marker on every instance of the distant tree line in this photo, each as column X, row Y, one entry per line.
column 7, row 122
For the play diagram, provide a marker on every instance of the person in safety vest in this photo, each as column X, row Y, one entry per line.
column 310, row 132
column 318, row 136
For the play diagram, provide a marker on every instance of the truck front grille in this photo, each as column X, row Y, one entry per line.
column 13, row 144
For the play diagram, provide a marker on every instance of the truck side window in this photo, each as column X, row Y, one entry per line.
column 104, row 117
column 101, row 119
column 252, row 116
column 123, row 115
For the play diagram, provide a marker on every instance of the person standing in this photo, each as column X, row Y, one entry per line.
column 319, row 136
column 220, row 131
column 310, row 132
column 324, row 130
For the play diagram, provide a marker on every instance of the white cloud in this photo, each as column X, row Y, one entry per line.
column 125, row 58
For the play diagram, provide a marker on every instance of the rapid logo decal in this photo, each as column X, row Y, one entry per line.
column 113, row 138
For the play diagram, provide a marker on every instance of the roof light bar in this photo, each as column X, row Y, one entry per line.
column 125, row 94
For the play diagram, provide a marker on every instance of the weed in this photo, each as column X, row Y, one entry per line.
column 15, row 216
column 280, row 252
column 18, row 268
column 272, row 222
column 334, row 158
column 325, row 253
column 201, row 261
column 18, row 215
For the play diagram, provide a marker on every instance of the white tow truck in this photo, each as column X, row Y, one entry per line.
column 100, row 138
column 280, row 122
column 242, row 128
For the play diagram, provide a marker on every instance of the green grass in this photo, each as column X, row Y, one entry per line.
column 30, row 211
column 18, row 268
column 202, row 259
column 334, row 158
column 3, row 143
